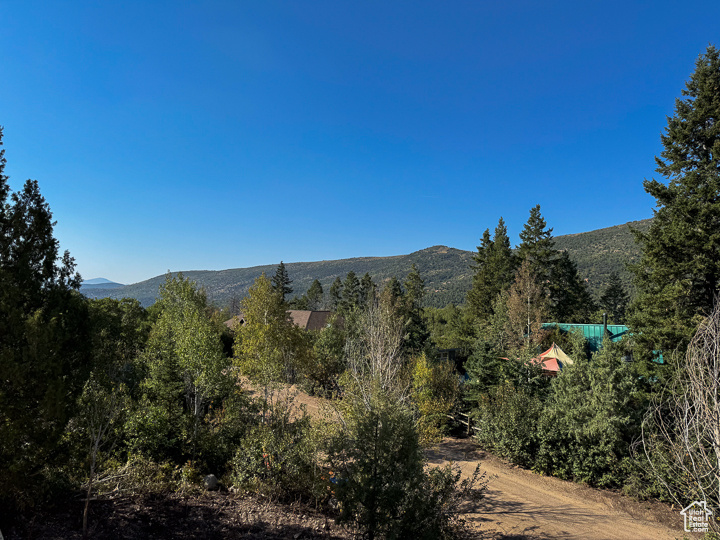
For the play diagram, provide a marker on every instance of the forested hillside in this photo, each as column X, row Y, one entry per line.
column 446, row 271
column 601, row 252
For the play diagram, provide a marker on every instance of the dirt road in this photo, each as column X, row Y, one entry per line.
column 521, row 504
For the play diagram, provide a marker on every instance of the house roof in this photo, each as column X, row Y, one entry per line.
column 305, row 319
column 310, row 320
column 593, row 333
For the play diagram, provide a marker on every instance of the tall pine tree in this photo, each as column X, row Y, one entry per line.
column 679, row 271
column 416, row 332
column 367, row 290
column 614, row 299
column 537, row 246
column 336, row 293
column 314, row 296
column 569, row 297
column 494, row 271
column 351, row 292
column 281, row 281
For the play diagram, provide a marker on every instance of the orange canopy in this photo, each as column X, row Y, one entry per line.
column 553, row 359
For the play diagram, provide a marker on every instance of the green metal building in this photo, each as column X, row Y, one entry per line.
column 593, row 332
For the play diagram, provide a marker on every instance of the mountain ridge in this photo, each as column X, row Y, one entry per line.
column 446, row 270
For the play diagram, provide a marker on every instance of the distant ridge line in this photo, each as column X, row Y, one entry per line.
column 446, row 270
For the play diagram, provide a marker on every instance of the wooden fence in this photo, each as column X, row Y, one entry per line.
column 465, row 420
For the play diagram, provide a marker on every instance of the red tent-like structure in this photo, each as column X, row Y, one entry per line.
column 552, row 360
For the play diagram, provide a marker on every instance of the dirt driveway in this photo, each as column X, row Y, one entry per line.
column 521, row 504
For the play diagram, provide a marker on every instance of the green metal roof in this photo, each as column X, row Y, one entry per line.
column 593, row 332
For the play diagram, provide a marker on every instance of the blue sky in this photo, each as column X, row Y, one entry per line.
column 213, row 135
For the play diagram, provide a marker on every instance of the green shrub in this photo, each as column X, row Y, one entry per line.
column 590, row 420
column 507, row 419
column 278, row 458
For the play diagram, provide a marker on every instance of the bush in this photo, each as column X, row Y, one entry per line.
column 433, row 511
column 278, row 458
column 507, row 419
column 435, row 389
column 590, row 420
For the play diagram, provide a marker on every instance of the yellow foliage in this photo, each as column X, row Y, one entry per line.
column 435, row 391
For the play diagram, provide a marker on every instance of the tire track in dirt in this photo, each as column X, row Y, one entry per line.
column 521, row 504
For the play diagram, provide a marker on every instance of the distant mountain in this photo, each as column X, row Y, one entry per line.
column 447, row 271
column 90, row 287
column 98, row 281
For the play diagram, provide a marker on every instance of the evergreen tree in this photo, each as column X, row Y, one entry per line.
column 414, row 288
column 568, row 294
column 416, row 332
column 392, row 293
column 298, row 302
column 367, row 290
column 486, row 369
column 45, row 356
column 281, row 281
column 477, row 296
column 449, row 327
column 351, row 292
column 537, row 246
column 679, row 271
column 591, row 419
column 494, row 269
column 314, row 296
column 614, row 299
column 336, row 293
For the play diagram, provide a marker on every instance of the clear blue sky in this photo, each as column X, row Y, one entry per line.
column 213, row 135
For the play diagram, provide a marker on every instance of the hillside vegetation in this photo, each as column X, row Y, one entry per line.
column 601, row 252
column 447, row 271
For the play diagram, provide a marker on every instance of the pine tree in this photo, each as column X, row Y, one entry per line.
column 392, row 294
column 477, row 297
column 494, row 269
column 537, row 246
column 336, row 293
column 568, row 294
column 416, row 332
column 614, row 299
column 570, row 297
column 414, row 287
column 314, row 296
column 281, row 281
column 45, row 357
column 367, row 290
column 679, row 271
column 351, row 292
